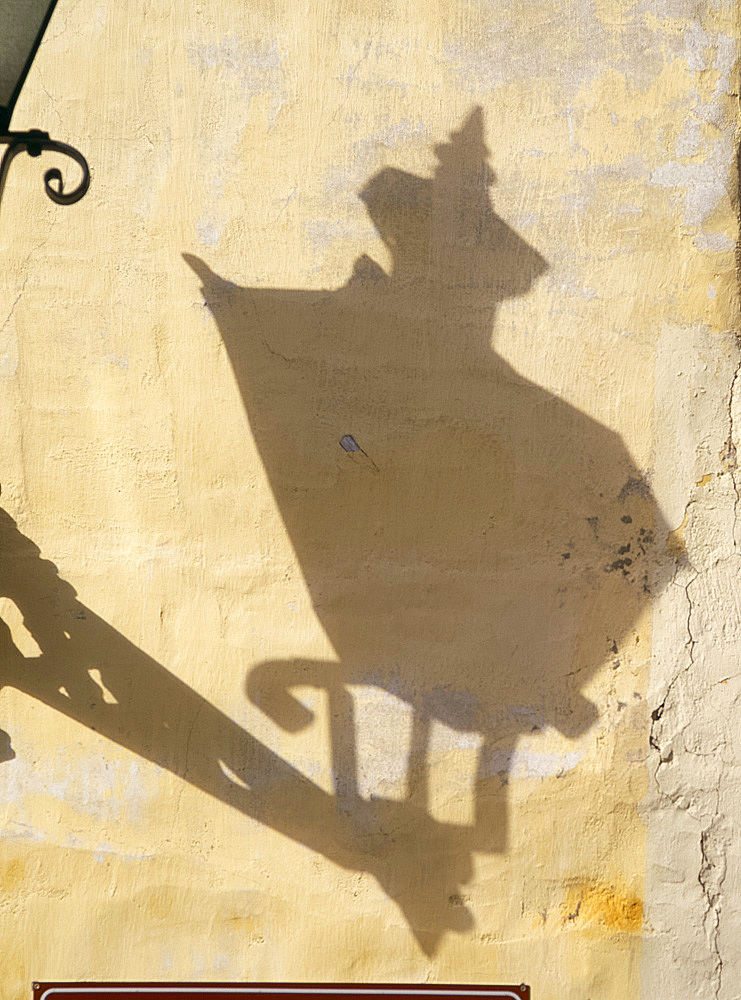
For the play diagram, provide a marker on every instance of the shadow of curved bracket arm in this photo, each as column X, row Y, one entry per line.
column 34, row 142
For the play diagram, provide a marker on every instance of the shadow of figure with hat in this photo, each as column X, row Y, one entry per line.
column 471, row 543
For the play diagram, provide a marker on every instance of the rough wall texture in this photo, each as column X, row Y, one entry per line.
column 370, row 501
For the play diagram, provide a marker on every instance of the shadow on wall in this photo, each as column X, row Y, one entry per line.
column 472, row 544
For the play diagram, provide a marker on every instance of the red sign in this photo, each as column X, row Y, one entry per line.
column 270, row 991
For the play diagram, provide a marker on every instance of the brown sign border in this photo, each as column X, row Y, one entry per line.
column 289, row 991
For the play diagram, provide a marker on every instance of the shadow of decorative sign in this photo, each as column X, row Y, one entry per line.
column 289, row 991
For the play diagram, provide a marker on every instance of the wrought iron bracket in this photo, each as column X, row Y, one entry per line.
column 34, row 142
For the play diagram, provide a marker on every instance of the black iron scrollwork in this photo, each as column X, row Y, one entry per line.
column 34, row 142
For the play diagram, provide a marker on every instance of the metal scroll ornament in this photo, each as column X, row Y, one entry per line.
column 22, row 26
column 34, row 142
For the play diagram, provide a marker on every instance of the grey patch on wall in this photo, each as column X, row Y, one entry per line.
column 634, row 485
column 349, row 443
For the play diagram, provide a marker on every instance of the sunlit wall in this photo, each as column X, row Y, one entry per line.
column 369, row 499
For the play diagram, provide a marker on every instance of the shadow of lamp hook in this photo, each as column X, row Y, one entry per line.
column 22, row 25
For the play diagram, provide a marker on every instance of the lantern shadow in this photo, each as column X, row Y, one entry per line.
column 472, row 544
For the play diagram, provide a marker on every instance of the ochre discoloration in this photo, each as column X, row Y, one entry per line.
column 11, row 875
column 604, row 908
column 675, row 543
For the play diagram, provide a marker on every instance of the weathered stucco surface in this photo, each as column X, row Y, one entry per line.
column 370, row 572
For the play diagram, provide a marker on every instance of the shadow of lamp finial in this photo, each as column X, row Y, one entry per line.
column 23, row 25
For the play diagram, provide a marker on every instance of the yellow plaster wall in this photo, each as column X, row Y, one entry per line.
column 179, row 516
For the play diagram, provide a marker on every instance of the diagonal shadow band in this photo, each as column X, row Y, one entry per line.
column 149, row 711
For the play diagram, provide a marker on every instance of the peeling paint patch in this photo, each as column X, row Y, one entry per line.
column 15, row 830
column 323, row 233
column 105, row 851
column 345, row 181
column 717, row 242
column 208, row 232
column 522, row 763
column 383, row 734
column 256, row 66
column 444, row 738
column 702, row 185
column 8, row 353
column 106, row 790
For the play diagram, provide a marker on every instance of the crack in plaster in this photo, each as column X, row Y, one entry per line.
column 657, row 713
column 728, row 455
column 15, row 303
column 50, row 98
column 713, row 848
column 714, row 842
column 349, row 78
column 714, row 838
